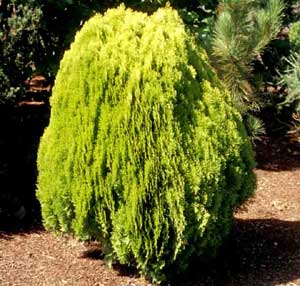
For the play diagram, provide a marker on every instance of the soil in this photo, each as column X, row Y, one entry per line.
column 263, row 249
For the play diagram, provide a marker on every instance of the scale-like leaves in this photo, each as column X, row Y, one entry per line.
column 144, row 150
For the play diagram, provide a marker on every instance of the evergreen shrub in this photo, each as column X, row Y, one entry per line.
column 144, row 151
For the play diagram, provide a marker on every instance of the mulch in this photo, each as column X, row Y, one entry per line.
column 262, row 250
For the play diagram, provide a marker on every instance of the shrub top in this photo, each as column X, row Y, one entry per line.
column 144, row 150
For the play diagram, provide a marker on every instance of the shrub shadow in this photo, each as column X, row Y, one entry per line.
column 20, row 130
column 278, row 154
column 7, row 232
column 94, row 252
column 30, row 224
column 263, row 252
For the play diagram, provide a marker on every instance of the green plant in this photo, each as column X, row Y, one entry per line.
column 36, row 33
column 63, row 18
column 20, row 45
column 144, row 150
column 242, row 31
column 254, row 127
column 294, row 36
column 291, row 80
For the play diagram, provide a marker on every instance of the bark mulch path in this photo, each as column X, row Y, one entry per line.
column 263, row 250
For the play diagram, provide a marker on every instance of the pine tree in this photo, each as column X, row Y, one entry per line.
column 242, row 31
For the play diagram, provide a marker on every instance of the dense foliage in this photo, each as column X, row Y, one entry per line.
column 242, row 30
column 144, row 150
column 20, row 45
column 294, row 36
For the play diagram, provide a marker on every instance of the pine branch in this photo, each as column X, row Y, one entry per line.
column 242, row 31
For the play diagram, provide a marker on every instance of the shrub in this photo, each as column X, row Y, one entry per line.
column 144, row 150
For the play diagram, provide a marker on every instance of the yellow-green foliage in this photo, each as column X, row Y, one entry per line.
column 144, row 150
column 294, row 36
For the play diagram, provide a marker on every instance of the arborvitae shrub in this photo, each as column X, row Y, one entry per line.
column 144, row 150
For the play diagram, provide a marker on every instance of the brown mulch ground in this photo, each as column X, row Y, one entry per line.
column 263, row 250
